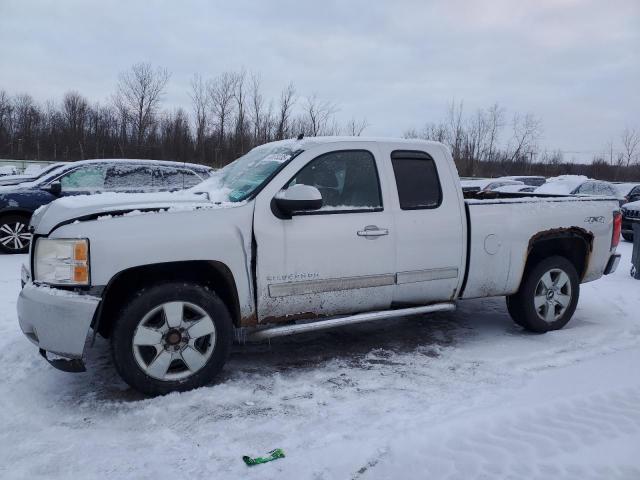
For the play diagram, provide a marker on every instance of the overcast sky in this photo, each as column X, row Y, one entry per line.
column 573, row 63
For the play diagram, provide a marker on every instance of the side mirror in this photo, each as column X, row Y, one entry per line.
column 297, row 198
column 54, row 188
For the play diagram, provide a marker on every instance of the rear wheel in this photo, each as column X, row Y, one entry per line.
column 548, row 296
column 14, row 234
column 171, row 337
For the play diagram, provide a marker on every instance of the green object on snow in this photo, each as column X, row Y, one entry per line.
column 273, row 455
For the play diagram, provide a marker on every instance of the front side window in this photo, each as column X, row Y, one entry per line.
column 416, row 179
column 84, row 179
column 585, row 189
column 347, row 180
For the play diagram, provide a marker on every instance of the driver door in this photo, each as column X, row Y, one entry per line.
column 336, row 260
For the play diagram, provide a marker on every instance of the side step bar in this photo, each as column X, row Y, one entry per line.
column 312, row 326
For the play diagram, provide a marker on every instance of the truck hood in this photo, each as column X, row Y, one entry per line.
column 91, row 207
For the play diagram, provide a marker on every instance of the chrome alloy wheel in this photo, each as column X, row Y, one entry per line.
column 552, row 295
column 174, row 341
column 14, row 235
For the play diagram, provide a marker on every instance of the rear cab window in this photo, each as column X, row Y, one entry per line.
column 417, row 180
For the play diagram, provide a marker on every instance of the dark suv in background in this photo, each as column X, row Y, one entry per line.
column 18, row 202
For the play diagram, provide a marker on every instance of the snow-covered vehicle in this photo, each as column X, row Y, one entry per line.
column 29, row 175
column 7, row 170
column 296, row 236
column 514, row 188
column 85, row 177
column 530, row 180
column 486, row 184
column 630, row 215
column 580, row 185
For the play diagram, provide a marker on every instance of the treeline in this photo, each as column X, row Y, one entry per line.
column 488, row 144
column 229, row 115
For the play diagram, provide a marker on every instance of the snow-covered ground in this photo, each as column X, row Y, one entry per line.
column 459, row 395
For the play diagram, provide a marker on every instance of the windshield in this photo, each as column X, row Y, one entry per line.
column 48, row 170
column 240, row 179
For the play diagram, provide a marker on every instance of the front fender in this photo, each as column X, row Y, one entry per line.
column 119, row 243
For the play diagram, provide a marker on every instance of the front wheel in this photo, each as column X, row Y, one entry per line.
column 628, row 236
column 171, row 337
column 548, row 296
column 14, row 234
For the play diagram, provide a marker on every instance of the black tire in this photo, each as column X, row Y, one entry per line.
column 144, row 302
column 628, row 237
column 521, row 305
column 10, row 243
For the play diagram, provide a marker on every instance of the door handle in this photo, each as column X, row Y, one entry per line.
column 372, row 231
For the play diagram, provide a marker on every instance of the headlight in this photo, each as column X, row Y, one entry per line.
column 61, row 262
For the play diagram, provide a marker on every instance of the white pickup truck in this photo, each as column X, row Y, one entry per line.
column 295, row 236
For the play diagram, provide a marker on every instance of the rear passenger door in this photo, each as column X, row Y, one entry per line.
column 430, row 235
column 128, row 178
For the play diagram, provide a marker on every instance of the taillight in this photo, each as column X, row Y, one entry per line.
column 617, row 228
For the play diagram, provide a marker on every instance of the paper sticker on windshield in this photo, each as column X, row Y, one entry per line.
column 277, row 157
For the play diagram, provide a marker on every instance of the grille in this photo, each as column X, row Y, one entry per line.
column 627, row 213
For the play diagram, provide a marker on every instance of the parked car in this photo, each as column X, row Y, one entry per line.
column 530, row 180
column 630, row 191
column 16, row 179
column 580, row 185
column 514, row 188
column 486, row 184
column 332, row 231
column 630, row 215
column 18, row 202
column 6, row 170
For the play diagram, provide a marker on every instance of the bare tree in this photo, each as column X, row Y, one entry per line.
column 221, row 91
column 630, row 145
column 526, row 131
column 200, row 105
column 139, row 94
column 257, row 110
column 495, row 115
column 287, row 100
column 318, row 116
column 356, row 127
column 75, row 108
column 478, row 131
column 455, row 129
column 239, row 95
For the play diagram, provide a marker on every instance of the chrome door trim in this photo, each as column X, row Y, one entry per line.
column 415, row 276
column 330, row 285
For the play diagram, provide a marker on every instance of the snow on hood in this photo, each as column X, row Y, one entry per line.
column 104, row 204
column 632, row 205
column 562, row 185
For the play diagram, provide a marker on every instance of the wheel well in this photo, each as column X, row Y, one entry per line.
column 574, row 244
column 213, row 275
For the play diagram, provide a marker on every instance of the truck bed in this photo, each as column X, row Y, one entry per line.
column 502, row 226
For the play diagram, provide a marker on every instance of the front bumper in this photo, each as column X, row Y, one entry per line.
column 56, row 321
